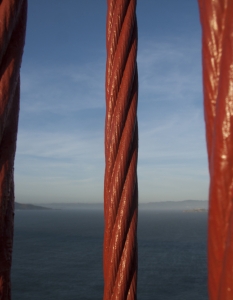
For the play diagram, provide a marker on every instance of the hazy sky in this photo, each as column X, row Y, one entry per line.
column 60, row 147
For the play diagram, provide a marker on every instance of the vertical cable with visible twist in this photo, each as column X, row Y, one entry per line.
column 121, row 151
column 217, row 51
column 12, row 36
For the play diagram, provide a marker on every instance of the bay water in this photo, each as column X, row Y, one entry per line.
column 57, row 255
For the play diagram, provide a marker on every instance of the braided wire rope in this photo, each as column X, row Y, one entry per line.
column 217, row 51
column 121, row 152
column 12, row 37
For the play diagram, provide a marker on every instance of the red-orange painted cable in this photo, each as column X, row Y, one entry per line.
column 121, row 151
column 12, row 35
column 217, row 50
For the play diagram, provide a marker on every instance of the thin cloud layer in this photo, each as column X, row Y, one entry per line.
column 61, row 89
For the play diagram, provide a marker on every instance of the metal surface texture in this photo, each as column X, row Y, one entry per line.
column 12, row 36
column 217, row 37
column 121, row 152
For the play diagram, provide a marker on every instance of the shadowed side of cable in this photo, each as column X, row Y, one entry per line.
column 12, row 36
column 121, row 152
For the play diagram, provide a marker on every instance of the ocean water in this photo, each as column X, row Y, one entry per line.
column 57, row 255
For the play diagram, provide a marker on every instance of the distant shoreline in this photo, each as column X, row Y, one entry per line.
column 185, row 206
column 197, row 210
column 23, row 206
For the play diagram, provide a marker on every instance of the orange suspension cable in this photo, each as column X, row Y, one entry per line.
column 12, row 36
column 217, row 50
column 121, row 152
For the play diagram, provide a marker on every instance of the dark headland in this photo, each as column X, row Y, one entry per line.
column 23, row 206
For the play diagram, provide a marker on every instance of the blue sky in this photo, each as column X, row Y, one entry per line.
column 60, row 146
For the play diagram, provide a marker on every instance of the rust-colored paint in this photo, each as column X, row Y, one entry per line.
column 217, row 31
column 12, row 35
column 121, row 151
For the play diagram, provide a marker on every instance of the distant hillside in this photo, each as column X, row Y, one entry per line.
column 175, row 205
column 95, row 206
column 199, row 210
column 167, row 205
column 21, row 206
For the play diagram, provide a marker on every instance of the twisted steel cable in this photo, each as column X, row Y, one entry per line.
column 121, row 151
column 12, row 36
column 217, row 30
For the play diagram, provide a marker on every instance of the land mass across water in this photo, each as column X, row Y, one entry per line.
column 26, row 206
column 185, row 206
